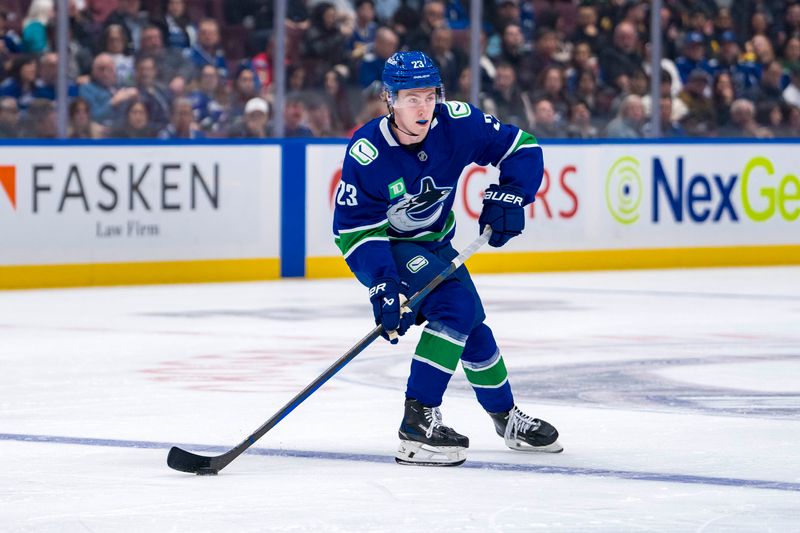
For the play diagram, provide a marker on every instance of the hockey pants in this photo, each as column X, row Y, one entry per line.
column 454, row 332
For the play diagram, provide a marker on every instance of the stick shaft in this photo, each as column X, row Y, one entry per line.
column 220, row 462
column 367, row 340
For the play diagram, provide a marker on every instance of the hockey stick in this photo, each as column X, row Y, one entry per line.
column 179, row 459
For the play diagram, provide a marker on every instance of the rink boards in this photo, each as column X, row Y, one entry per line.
column 75, row 213
column 78, row 214
column 610, row 206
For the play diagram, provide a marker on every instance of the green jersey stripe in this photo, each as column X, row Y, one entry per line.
column 347, row 242
column 522, row 140
column 349, row 239
column 526, row 140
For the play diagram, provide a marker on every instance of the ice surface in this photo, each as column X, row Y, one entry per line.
column 676, row 393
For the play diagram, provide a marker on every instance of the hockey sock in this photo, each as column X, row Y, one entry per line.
column 486, row 370
column 435, row 359
column 489, row 380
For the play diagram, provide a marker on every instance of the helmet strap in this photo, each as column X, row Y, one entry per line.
column 393, row 122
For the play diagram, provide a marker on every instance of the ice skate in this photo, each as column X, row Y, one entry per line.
column 525, row 433
column 425, row 441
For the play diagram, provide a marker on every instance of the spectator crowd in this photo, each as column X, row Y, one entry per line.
column 189, row 69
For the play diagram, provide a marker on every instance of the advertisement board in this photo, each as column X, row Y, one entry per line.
column 90, row 214
column 615, row 206
column 62, row 206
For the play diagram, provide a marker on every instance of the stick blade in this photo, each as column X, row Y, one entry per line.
column 184, row 461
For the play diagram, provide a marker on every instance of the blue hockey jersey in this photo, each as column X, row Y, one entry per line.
column 393, row 192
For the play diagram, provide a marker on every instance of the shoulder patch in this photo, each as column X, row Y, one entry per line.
column 457, row 109
column 364, row 152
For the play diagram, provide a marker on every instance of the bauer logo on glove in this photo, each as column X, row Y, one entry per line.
column 503, row 211
column 506, row 197
column 377, row 289
column 389, row 309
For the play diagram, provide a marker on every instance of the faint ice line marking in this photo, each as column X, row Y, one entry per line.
column 707, row 523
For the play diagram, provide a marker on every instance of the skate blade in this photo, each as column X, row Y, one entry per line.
column 419, row 454
column 553, row 447
column 419, row 463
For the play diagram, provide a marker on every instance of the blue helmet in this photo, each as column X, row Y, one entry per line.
column 411, row 70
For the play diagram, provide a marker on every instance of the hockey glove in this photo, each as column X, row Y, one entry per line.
column 503, row 212
column 387, row 306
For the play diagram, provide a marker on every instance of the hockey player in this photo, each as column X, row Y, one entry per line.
column 393, row 222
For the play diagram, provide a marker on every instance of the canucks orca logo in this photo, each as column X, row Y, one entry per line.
column 420, row 210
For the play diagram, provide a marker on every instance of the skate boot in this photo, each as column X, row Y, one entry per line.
column 425, row 441
column 524, row 433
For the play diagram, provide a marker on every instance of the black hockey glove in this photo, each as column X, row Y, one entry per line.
column 503, row 212
column 387, row 306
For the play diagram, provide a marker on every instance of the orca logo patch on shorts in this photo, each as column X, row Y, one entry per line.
column 416, row 264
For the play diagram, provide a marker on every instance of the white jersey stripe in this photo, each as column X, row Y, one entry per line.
column 364, row 228
column 510, row 148
column 387, row 135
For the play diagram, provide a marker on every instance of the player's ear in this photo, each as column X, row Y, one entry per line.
column 385, row 98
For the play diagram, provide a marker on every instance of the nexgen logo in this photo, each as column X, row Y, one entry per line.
column 8, row 181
